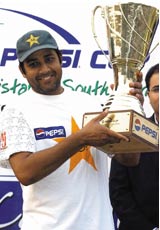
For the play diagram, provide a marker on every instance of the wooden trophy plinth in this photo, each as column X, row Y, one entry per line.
column 143, row 133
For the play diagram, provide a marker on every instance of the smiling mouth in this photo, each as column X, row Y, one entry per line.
column 45, row 78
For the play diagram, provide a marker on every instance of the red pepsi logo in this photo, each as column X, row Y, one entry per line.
column 40, row 133
column 137, row 125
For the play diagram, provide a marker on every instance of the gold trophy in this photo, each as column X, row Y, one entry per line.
column 130, row 31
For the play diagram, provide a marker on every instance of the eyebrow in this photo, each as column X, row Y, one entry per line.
column 30, row 59
column 155, row 86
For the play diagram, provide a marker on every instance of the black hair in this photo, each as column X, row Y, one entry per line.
column 154, row 69
column 59, row 53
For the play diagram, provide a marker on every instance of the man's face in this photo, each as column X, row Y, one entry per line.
column 153, row 93
column 43, row 72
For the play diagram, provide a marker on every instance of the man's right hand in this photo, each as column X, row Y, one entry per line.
column 95, row 134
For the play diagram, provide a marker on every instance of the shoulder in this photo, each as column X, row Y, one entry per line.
column 9, row 114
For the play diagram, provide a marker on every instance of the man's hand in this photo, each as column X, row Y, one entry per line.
column 136, row 88
column 95, row 134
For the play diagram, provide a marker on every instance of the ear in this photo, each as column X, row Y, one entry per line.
column 22, row 71
column 148, row 94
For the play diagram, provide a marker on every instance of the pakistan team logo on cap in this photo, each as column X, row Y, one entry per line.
column 32, row 40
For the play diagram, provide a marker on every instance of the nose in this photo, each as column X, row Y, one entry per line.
column 44, row 68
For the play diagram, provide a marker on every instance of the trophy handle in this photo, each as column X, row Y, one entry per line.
column 149, row 55
column 153, row 49
column 148, row 44
column 94, row 32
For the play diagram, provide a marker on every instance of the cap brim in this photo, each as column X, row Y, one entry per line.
column 34, row 49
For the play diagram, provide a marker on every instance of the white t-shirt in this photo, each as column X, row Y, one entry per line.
column 76, row 195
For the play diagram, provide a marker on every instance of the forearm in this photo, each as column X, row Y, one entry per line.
column 31, row 167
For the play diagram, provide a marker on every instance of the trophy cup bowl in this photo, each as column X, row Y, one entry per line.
column 130, row 29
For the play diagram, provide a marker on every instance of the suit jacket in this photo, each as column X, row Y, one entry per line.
column 134, row 192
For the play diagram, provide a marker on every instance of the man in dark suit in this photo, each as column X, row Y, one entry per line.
column 134, row 191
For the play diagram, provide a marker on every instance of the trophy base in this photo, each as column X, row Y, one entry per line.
column 142, row 132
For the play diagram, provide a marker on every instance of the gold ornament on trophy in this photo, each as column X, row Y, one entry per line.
column 130, row 29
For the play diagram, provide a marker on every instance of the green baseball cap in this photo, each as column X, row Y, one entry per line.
column 33, row 41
